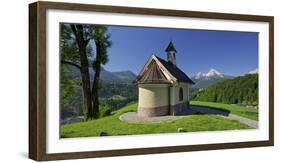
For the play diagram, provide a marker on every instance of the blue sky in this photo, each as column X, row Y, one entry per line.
column 231, row 53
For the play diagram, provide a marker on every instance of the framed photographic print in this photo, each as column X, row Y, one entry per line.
column 112, row 81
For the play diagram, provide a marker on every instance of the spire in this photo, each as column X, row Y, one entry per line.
column 170, row 47
column 171, row 53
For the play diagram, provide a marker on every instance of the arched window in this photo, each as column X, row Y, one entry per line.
column 180, row 94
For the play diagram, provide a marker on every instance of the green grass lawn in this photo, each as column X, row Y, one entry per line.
column 250, row 113
column 113, row 126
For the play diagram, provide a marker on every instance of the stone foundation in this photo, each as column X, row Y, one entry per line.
column 179, row 109
column 153, row 111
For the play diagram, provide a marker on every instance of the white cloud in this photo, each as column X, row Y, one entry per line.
column 255, row 71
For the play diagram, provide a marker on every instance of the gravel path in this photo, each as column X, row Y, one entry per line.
column 246, row 121
column 132, row 117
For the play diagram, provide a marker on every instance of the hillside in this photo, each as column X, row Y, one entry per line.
column 240, row 90
column 204, row 83
column 113, row 126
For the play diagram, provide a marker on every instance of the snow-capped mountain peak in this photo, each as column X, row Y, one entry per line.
column 199, row 75
column 211, row 74
column 203, row 80
column 214, row 73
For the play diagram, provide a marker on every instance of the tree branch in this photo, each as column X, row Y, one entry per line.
column 87, row 41
column 71, row 63
column 74, row 30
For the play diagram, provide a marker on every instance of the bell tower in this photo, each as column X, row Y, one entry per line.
column 171, row 53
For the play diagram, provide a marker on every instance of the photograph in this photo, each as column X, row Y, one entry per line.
column 109, row 80
column 132, row 80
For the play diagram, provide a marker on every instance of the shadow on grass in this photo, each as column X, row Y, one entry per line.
column 209, row 110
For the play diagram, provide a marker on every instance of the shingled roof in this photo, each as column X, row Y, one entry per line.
column 154, row 75
column 175, row 71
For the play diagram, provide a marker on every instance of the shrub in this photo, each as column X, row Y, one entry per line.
column 105, row 111
column 244, row 102
column 255, row 103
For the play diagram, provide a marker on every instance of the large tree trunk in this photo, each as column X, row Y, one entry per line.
column 95, row 95
column 87, row 100
column 95, row 87
column 86, row 88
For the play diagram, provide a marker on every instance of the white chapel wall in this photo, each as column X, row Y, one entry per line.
column 155, row 95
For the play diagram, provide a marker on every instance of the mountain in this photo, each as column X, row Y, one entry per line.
column 120, row 76
column 203, row 80
column 116, row 90
column 105, row 75
column 211, row 74
column 125, row 75
column 239, row 90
